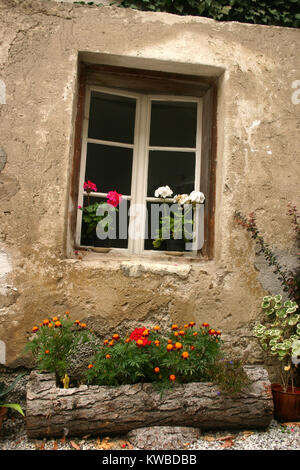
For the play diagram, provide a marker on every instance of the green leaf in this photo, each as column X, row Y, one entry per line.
column 5, row 390
column 291, row 310
column 293, row 320
column 282, row 313
column 14, row 406
column 296, row 347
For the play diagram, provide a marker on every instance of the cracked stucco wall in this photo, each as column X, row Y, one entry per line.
column 257, row 168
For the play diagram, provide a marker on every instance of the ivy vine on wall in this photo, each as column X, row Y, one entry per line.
column 278, row 12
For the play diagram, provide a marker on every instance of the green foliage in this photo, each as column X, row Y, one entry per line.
column 231, row 376
column 279, row 334
column 177, row 224
column 162, row 360
column 91, row 220
column 279, row 12
column 4, row 390
column 290, row 280
column 281, row 337
column 54, row 346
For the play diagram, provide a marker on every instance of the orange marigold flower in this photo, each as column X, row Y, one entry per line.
column 35, row 329
column 185, row 355
column 90, row 366
column 127, row 340
column 211, row 331
column 55, row 319
column 139, row 342
column 47, row 351
column 156, row 342
column 77, row 322
column 174, row 327
column 57, row 324
column 186, row 326
column 176, row 333
column 108, row 356
column 195, row 333
column 156, row 328
column 192, row 348
column 206, row 325
column 178, row 346
column 170, row 341
column 170, row 347
column 146, row 332
column 105, row 341
column 182, row 333
column 218, row 332
column 50, row 325
column 157, row 370
column 172, row 377
column 67, row 313
column 111, row 343
column 116, row 336
column 46, row 321
column 192, row 323
column 83, row 325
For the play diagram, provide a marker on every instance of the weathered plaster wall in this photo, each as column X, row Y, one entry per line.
column 257, row 168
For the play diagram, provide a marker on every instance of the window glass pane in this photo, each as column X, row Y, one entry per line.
column 173, row 124
column 109, row 168
column 175, row 169
column 118, row 220
column 112, row 118
column 159, row 227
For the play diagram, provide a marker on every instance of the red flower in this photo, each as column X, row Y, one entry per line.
column 89, row 186
column 137, row 334
column 114, row 198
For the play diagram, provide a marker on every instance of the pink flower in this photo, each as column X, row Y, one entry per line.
column 114, row 198
column 79, row 207
column 89, row 186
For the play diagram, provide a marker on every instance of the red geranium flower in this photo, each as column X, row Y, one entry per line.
column 114, row 198
column 89, row 186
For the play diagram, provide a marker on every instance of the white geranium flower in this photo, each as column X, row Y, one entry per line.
column 181, row 199
column 197, row 196
column 163, row 191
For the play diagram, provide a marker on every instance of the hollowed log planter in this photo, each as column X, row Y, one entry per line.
column 52, row 411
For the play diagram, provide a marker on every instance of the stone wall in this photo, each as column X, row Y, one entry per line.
column 258, row 121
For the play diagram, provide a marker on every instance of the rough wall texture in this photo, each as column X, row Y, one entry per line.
column 257, row 168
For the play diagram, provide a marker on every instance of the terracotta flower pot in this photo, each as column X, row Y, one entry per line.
column 286, row 404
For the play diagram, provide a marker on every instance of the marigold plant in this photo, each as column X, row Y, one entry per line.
column 150, row 356
column 55, row 341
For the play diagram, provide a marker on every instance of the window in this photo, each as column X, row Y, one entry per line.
column 138, row 135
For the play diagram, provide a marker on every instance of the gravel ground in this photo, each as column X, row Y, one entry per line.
column 276, row 437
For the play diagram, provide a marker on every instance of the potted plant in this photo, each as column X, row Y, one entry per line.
column 90, row 217
column 177, row 224
column 4, row 390
column 279, row 335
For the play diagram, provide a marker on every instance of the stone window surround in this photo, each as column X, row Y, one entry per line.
column 104, row 70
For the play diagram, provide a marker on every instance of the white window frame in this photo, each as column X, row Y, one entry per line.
column 140, row 162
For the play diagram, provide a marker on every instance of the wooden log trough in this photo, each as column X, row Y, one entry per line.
column 53, row 411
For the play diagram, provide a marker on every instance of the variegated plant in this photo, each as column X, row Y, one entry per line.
column 280, row 336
